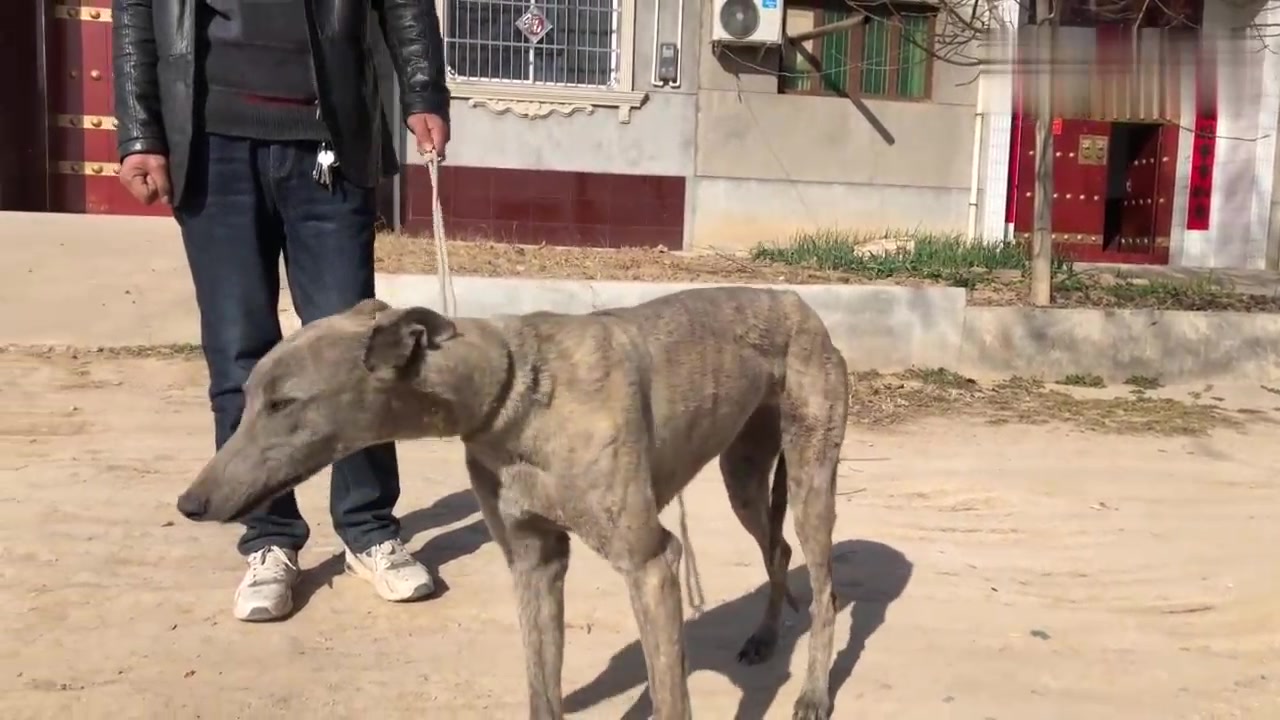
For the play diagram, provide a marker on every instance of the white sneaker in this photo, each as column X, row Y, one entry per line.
column 392, row 570
column 266, row 592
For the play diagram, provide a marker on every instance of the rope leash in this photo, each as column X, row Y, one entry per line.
column 448, row 298
column 449, row 306
column 692, row 578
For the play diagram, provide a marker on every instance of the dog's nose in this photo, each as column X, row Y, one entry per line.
column 192, row 507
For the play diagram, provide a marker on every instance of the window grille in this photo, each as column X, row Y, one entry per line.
column 565, row 43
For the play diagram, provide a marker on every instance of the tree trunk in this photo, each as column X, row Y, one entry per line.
column 1042, row 231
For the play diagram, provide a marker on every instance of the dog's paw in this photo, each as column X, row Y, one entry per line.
column 758, row 648
column 810, row 707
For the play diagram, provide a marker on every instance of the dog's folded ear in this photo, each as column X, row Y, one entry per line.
column 400, row 335
column 368, row 308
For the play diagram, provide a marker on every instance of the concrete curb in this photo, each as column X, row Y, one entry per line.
column 890, row 328
column 106, row 281
column 874, row 326
column 1176, row 346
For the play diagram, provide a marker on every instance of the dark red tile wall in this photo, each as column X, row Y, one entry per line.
column 548, row 206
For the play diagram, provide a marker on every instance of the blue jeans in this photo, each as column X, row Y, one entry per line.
column 246, row 203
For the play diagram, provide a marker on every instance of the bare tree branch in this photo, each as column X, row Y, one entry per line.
column 827, row 29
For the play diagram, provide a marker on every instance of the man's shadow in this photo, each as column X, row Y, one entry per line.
column 435, row 553
column 446, row 547
column 867, row 575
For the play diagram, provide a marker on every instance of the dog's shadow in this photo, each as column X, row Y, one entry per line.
column 867, row 575
column 435, row 553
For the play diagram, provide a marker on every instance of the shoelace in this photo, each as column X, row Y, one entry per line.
column 261, row 566
column 390, row 555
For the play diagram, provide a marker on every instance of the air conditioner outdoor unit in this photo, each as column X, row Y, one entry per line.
column 747, row 22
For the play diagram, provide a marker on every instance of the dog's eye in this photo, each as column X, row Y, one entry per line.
column 280, row 404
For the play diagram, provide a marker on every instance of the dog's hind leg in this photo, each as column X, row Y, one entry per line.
column 812, row 454
column 745, row 466
column 537, row 553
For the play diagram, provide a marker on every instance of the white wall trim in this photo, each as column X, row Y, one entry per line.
column 1265, row 148
column 998, row 97
column 995, row 183
column 1185, row 246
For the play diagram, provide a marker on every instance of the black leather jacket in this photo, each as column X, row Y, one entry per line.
column 154, row 66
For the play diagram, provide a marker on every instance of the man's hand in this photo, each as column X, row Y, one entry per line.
column 431, row 132
column 146, row 177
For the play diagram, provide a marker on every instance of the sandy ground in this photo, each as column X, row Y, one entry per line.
column 986, row 572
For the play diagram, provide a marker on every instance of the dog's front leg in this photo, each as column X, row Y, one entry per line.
column 538, row 556
column 539, row 561
column 654, row 585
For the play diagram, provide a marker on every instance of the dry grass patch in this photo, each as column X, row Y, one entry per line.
column 992, row 273
column 879, row 400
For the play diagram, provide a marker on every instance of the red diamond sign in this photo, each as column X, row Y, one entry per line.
column 534, row 24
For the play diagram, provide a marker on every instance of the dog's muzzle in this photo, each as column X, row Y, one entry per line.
column 193, row 507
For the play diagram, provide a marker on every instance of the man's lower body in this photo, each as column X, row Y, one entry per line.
column 246, row 203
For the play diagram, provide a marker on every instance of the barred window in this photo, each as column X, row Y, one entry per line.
column 545, row 42
column 883, row 57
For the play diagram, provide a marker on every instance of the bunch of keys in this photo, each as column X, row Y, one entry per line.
column 326, row 161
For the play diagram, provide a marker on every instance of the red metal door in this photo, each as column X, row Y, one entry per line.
column 1166, row 174
column 1142, row 190
column 1079, row 172
column 1078, row 200
column 1022, row 177
column 83, row 161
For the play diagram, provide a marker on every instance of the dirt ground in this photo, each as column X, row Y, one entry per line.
column 986, row 571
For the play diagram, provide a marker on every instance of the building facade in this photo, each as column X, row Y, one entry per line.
column 1172, row 161
column 717, row 149
column 634, row 122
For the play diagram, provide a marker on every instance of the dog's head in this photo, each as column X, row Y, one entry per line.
column 336, row 386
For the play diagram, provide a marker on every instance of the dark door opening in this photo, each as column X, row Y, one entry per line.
column 24, row 163
column 1133, row 188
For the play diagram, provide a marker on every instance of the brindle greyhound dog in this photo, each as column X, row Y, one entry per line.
column 584, row 424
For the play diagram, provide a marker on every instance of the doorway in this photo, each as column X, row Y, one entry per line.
column 1133, row 187
column 24, row 164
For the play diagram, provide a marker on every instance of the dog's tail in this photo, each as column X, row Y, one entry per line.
column 777, row 514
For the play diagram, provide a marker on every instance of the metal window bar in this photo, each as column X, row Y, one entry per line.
column 581, row 48
column 875, row 57
column 913, row 61
column 835, row 53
